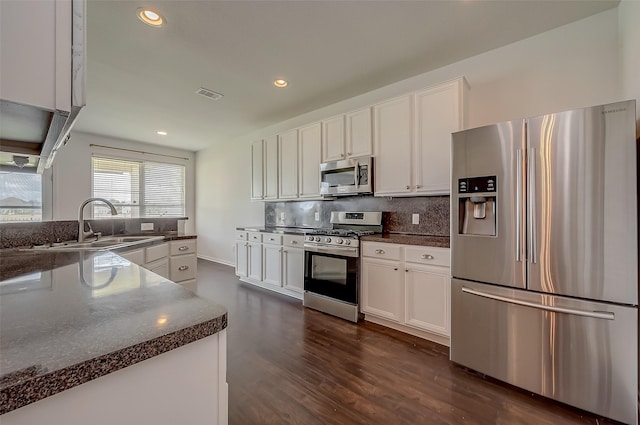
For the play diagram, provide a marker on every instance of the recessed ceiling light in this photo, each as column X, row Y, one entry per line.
column 280, row 83
column 162, row 133
column 150, row 17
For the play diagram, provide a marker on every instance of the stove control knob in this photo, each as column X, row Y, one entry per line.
column 327, row 240
column 317, row 239
column 347, row 242
column 339, row 241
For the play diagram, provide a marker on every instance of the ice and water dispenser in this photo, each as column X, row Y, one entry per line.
column 477, row 206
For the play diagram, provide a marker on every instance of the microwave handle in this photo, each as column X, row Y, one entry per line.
column 356, row 176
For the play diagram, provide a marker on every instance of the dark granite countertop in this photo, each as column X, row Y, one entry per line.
column 81, row 315
column 406, row 239
column 283, row 230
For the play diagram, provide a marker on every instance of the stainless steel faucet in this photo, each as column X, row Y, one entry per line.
column 82, row 235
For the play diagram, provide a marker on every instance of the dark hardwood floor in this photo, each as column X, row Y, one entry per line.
column 292, row 365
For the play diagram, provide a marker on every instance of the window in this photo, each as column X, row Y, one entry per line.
column 138, row 188
column 20, row 197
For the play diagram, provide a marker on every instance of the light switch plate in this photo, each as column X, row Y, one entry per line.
column 146, row 226
column 415, row 219
column 317, row 216
column 282, row 216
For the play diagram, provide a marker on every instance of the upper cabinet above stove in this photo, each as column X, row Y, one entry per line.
column 410, row 136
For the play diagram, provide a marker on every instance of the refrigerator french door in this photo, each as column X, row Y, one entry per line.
column 545, row 256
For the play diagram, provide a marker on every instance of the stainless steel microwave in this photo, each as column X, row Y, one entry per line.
column 351, row 176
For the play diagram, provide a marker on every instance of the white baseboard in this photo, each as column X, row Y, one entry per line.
column 440, row 339
column 217, row 260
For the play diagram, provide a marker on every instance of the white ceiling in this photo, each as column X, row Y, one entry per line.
column 142, row 79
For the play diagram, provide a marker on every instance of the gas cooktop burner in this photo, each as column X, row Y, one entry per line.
column 341, row 232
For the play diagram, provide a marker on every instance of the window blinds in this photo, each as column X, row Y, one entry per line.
column 138, row 188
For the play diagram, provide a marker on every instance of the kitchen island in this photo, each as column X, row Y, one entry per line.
column 93, row 338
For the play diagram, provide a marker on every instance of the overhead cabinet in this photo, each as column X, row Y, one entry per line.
column 413, row 140
column 288, row 165
column 309, row 160
column 347, row 136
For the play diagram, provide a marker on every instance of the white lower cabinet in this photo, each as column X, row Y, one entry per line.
column 272, row 261
column 407, row 287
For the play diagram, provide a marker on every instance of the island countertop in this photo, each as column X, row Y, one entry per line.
column 76, row 316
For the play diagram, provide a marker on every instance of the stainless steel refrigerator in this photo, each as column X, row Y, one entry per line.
column 544, row 246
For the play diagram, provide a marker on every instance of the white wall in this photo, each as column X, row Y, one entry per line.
column 72, row 171
column 629, row 16
column 572, row 66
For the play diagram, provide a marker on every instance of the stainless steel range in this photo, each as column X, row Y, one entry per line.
column 332, row 264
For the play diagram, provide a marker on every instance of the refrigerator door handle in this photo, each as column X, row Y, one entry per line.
column 519, row 205
column 531, row 167
column 594, row 314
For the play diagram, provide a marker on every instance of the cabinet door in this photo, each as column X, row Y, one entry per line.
column 383, row 289
column 254, row 261
column 160, row 267
column 438, row 114
column 136, row 256
column 393, row 139
column 333, row 139
column 358, row 138
column 288, row 164
column 242, row 259
column 272, row 264
column 270, row 173
column 293, row 269
column 427, row 299
column 309, row 160
column 257, row 169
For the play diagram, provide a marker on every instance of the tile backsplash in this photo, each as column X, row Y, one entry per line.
column 13, row 235
column 397, row 213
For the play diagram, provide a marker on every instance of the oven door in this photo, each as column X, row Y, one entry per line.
column 331, row 275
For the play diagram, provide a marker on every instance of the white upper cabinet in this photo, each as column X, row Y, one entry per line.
column 438, row 114
column 257, row 170
column 358, row 134
column 413, row 140
column 333, row 139
column 288, row 164
column 270, row 168
column 309, row 147
column 393, row 138
column 347, row 136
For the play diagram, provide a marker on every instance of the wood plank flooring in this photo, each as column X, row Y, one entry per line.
column 292, row 365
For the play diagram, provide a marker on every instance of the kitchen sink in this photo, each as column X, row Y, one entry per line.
column 103, row 244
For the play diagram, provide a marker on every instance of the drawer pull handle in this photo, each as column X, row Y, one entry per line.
column 271, row 239
column 183, row 268
column 427, row 256
column 294, row 242
column 183, row 248
column 379, row 251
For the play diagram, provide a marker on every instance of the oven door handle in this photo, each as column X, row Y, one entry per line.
column 348, row 252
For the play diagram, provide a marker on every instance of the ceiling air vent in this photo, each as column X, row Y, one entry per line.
column 209, row 93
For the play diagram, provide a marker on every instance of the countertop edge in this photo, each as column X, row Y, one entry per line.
column 408, row 239
column 39, row 387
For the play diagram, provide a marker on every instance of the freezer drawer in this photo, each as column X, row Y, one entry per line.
column 581, row 353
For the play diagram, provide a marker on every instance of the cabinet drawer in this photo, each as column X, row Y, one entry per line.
column 182, row 267
column 255, row 236
column 272, row 238
column 240, row 235
column 427, row 255
column 381, row 250
column 294, row 241
column 156, row 252
column 185, row 246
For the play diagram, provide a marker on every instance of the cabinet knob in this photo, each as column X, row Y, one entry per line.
column 349, row 153
column 408, row 187
column 183, row 268
column 342, row 155
column 294, row 242
column 418, row 186
column 406, row 270
column 183, row 248
column 271, row 239
column 380, row 251
column 427, row 257
column 395, row 268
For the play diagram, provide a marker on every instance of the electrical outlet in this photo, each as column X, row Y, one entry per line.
column 146, row 226
column 282, row 216
column 317, row 216
column 415, row 218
